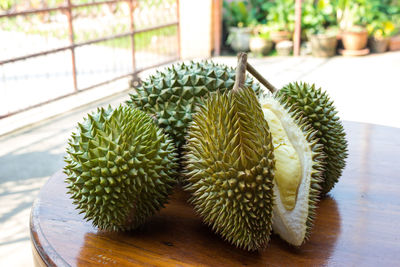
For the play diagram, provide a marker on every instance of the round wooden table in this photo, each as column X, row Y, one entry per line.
column 358, row 224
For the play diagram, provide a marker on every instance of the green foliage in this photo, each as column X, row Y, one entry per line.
column 7, row 4
column 245, row 12
column 259, row 10
column 262, row 31
column 367, row 12
column 381, row 29
column 382, row 17
column 353, row 12
column 318, row 16
column 280, row 15
column 236, row 14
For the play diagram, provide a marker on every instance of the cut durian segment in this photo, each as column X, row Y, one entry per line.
column 319, row 111
column 296, row 197
column 288, row 172
column 121, row 168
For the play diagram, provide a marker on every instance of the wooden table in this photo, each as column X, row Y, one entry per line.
column 358, row 224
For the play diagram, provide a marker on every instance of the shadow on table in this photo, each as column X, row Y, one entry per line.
column 178, row 234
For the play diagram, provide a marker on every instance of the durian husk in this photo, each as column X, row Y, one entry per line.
column 120, row 168
column 319, row 112
column 171, row 96
column 294, row 226
column 229, row 166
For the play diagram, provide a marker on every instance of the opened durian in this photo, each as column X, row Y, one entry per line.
column 172, row 95
column 298, row 170
column 320, row 112
column 230, row 165
column 121, row 168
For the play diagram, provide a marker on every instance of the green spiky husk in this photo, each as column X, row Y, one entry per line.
column 121, row 168
column 230, row 168
column 318, row 159
column 321, row 114
column 172, row 95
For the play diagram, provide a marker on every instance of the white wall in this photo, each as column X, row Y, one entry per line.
column 195, row 22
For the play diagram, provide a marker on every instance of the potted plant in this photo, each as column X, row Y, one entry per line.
column 381, row 21
column 394, row 43
column 319, row 21
column 379, row 35
column 324, row 42
column 260, row 41
column 394, row 16
column 352, row 18
column 237, row 19
column 284, row 48
column 355, row 38
column 281, row 20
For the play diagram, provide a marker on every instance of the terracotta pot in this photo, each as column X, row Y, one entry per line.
column 323, row 45
column 378, row 45
column 394, row 43
column 239, row 38
column 280, row 36
column 355, row 40
column 260, row 46
column 284, row 48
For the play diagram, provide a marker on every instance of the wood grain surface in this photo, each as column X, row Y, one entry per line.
column 356, row 225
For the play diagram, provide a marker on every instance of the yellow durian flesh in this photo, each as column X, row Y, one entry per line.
column 287, row 163
column 293, row 225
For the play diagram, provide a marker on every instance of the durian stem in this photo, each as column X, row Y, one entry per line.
column 240, row 72
column 260, row 78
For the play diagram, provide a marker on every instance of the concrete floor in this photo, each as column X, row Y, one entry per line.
column 364, row 89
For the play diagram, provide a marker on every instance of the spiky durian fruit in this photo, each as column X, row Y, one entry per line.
column 320, row 112
column 172, row 95
column 230, row 166
column 121, row 168
column 299, row 166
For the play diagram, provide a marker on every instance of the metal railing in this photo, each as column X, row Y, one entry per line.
column 145, row 34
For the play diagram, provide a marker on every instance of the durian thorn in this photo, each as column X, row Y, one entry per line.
column 240, row 72
column 260, row 78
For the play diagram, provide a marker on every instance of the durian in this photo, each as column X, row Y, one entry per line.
column 172, row 95
column 230, row 165
column 298, row 170
column 320, row 112
column 120, row 168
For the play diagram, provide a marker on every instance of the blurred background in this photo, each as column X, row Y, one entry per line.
column 60, row 59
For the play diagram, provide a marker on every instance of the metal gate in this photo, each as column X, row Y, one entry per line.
column 50, row 49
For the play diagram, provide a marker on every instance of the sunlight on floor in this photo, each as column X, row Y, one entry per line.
column 16, row 198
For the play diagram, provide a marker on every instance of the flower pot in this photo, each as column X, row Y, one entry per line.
column 378, row 45
column 355, row 40
column 280, row 36
column 284, row 48
column 323, row 45
column 239, row 38
column 260, row 46
column 394, row 43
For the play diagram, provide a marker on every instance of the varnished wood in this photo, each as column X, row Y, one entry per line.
column 356, row 225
